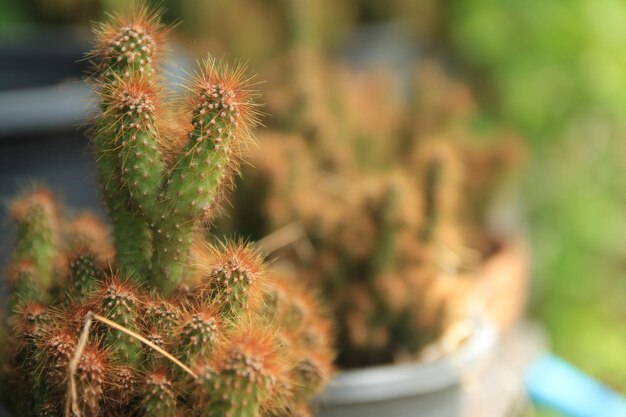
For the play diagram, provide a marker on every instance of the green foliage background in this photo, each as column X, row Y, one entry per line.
column 555, row 70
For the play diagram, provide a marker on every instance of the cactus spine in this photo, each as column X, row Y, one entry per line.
column 130, row 323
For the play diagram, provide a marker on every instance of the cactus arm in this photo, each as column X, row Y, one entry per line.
column 222, row 114
column 141, row 167
column 442, row 181
column 130, row 108
column 133, row 241
column 30, row 321
column 91, row 372
column 193, row 186
column 130, row 167
column 126, row 50
column 131, row 233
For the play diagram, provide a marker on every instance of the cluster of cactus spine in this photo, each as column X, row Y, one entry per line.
column 157, row 323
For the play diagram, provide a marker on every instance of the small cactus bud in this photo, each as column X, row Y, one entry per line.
column 159, row 399
column 199, row 332
column 60, row 346
column 73, row 314
column 31, row 320
column 248, row 368
column 162, row 316
column 85, row 273
column 122, row 388
column 91, row 374
column 23, row 284
column 234, row 283
column 36, row 216
column 88, row 231
column 127, row 46
column 311, row 372
column 120, row 302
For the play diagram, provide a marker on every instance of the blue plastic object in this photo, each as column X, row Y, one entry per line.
column 557, row 385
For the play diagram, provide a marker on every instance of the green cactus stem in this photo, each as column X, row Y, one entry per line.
column 120, row 302
column 199, row 334
column 233, row 284
column 131, row 233
column 131, row 106
column 222, row 115
column 124, row 324
column 37, row 224
column 247, row 372
column 85, row 274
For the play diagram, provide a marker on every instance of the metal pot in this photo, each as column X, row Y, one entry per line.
column 422, row 389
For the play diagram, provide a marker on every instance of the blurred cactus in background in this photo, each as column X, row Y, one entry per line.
column 158, row 322
column 553, row 71
column 392, row 195
column 550, row 69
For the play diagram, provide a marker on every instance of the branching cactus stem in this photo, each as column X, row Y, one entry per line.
column 160, row 322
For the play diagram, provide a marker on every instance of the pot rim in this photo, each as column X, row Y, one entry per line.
column 388, row 382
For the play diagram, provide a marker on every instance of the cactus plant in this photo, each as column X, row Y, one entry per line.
column 158, row 322
column 392, row 197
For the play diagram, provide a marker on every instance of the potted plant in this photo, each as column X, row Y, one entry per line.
column 385, row 204
column 157, row 322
